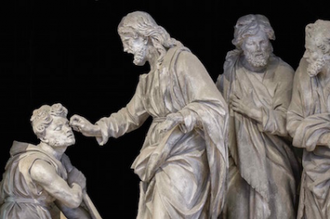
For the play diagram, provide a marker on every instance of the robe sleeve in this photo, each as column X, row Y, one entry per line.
column 125, row 120
column 310, row 130
column 274, row 116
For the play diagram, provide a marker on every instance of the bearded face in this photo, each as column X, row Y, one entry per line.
column 257, row 59
column 315, row 66
column 257, row 49
column 137, row 46
column 59, row 133
column 316, row 60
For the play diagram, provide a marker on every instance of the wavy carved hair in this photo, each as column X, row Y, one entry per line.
column 318, row 34
column 41, row 118
column 141, row 23
column 249, row 25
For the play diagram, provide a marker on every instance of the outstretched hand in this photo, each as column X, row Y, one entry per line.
column 80, row 124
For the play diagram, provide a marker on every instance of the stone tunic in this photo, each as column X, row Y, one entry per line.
column 263, row 169
column 182, row 171
column 20, row 197
column 309, row 125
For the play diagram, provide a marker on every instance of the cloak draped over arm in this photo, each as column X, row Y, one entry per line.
column 274, row 115
column 204, row 103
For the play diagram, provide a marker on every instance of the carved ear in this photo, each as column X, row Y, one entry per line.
column 44, row 140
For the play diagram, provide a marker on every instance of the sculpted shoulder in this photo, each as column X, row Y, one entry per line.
column 186, row 56
column 187, row 60
column 283, row 70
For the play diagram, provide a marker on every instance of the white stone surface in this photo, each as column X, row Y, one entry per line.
column 308, row 121
column 263, row 171
column 38, row 176
column 183, row 161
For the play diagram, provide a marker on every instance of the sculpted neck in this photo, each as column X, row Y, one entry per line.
column 152, row 58
column 57, row 152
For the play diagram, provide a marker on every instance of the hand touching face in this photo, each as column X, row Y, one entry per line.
column 59, row 133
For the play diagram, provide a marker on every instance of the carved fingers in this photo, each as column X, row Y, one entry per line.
column 165, row 126
column 237, row 104
column 77, row 122
column 171, row 121
column 80, row 124
column 246, row 106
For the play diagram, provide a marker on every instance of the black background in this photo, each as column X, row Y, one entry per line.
column 69, row 52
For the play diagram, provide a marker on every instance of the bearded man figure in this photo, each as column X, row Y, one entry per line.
column 183, row 161
column 39, row 177
column 263, row 169
column 309, row 119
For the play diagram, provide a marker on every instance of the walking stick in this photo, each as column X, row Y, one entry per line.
column 92, row 209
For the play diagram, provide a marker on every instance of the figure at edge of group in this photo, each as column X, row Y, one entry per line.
column 183, row 161
column 39, row 179
column 257, row 85
column 309, row 121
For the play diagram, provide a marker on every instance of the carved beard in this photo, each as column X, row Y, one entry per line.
column 315, row 66
column 54, row 143
column 61, row 143
column 139, row 56
column 257, row 59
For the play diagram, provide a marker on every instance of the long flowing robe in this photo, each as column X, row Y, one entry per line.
column 20, row 197
column 182, row 172
column 309, row 123
column 263, row 168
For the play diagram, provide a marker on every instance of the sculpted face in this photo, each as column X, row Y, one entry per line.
column 317, row 44
column 316, row 58
column 257, row 49
column 136, row 45
column 59, row 133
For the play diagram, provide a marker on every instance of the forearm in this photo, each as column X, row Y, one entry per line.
column 312, row 131
column 70, row 196
column 119, row 123
column 256, row 114
column 301, row 140
column 274, row 121
column 45, row 175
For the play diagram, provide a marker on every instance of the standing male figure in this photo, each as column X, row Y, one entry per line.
column 309, row 121
column 183, row 161
column 257, row 87
column 37, row 176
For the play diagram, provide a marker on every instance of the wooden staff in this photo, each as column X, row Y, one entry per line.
column 92, row 209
